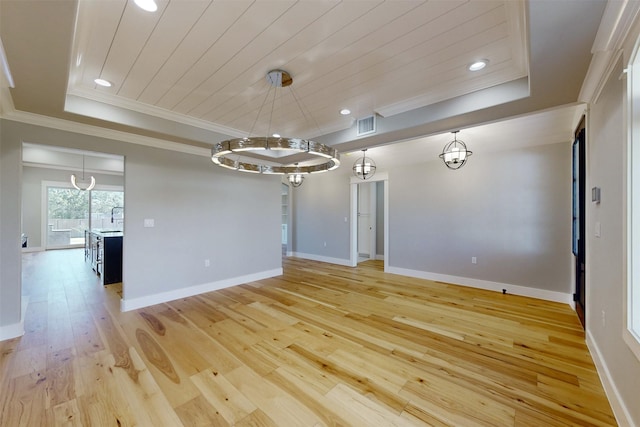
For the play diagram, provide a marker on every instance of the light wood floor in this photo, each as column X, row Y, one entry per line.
column 321, row 345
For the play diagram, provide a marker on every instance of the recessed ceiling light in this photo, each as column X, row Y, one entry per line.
column 345, row 111
column 478, row 65
column 103, row 82
column 148, row 5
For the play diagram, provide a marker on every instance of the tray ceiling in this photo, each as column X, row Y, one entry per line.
column 204, row 62
column 193, row 73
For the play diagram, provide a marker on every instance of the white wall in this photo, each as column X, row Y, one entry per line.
column 32, row 178
column 200, row 211
column 606, row 255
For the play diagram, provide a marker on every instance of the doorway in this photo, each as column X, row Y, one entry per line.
column 369, row 227
column 55, row 215
column 285, row 203
column 579, row 218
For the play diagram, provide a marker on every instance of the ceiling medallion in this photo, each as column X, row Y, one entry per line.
column 222, row 150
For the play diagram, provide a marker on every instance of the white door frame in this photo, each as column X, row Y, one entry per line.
column 368, row 190
column 353, row 225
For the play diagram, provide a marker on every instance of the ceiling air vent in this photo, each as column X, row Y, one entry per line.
column 366, row 125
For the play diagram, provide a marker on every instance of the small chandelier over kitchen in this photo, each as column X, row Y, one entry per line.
column 90, row 184
column 455, row 153
column 221, row 151
column 364, row 167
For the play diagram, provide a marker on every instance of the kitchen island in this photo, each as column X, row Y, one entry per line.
column 103, row 250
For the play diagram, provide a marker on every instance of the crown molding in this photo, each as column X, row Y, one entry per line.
column 75, row 127
column 150, row 110
column 617, row 21
column 71, row 169
column 451, row 90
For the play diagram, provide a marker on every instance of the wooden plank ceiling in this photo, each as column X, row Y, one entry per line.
column 207, row 60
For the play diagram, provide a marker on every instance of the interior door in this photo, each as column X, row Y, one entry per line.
column 579, row 219
column 364, row 221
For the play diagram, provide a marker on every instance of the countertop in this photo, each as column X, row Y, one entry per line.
column 107, row 233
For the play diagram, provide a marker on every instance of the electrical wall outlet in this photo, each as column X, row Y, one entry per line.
column 474, row 260
column 207, row 263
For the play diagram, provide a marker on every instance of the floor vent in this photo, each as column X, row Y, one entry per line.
column 366, row 125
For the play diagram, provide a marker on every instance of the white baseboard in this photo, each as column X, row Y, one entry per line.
column 485, row 284
column 380, row 257
column 162, row 297
column 17, row 329
column 321, row 258
column 33, row 249
column 617, row 404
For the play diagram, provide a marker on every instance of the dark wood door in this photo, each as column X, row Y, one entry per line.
column 579, row 219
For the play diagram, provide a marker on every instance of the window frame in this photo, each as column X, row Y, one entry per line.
column 631, row 304
column 45, row 185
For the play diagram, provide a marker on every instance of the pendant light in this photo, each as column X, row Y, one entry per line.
column 295, row 178
column 74, row 180
column 364, row 167
column 455, row 153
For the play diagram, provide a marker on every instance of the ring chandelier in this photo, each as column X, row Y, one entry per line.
column 222, row 150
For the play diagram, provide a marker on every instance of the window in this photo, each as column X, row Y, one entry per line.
column 67, row 216
column 632, row 330
column 70, row 212
column 107, row 209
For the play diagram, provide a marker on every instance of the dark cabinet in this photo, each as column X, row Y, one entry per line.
column 103, row 250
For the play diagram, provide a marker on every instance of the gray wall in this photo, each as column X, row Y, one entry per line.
column 380, row 218
column 606, row 255
column 10, row 252
column 511, row 209
column 32, row 178
column 320, row 205
column 200, row 212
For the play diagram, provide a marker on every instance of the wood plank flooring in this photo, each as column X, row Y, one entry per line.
column 322, row 345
